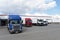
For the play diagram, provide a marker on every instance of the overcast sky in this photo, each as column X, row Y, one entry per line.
column 45, row 7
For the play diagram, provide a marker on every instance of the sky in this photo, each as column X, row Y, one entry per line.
column 30, row 7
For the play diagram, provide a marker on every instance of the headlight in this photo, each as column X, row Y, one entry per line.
column 12, row 30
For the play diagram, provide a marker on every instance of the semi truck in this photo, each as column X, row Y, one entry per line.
column 14, row 24
column 28, row 22
column 42, row 22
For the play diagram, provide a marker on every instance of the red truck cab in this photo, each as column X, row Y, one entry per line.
column 28, row 22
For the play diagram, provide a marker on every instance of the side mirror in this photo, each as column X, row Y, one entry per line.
column 21, row 21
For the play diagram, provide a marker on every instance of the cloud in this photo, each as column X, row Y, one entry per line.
column 48, row 5
column 40, row 4
column 25, row 6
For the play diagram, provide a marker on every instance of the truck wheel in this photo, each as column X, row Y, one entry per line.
column 20, row 32
column 35, row 24
column 11, row 32
column 46, row 24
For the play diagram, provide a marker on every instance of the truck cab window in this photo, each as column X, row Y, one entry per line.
column 14, row 22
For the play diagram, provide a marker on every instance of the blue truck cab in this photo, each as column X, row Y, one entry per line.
column 14, row 24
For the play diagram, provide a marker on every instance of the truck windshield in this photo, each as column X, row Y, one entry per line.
column 15, row 21
column 44, row 21
column 40, row 20
column 30, row 20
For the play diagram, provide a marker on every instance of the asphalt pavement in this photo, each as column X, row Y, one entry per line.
column 50, row 32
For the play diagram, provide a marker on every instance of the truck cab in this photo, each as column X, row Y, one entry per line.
column 42, row 22
column 14, row 24
column 28, row 22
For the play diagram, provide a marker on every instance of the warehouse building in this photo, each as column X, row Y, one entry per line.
column 34, row 18
column 4, row 19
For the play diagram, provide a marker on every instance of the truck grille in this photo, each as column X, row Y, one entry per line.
column 16, row 27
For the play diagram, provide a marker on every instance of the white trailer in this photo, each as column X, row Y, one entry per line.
column 34, row 18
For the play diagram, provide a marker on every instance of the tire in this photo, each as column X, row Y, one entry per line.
column 20, row 32
column 11, row 32
column 37, row 24
column 46, row 24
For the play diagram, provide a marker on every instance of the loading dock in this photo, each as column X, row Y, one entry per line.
column 3, row 22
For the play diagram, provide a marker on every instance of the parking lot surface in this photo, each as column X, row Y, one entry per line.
column 50, row 32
